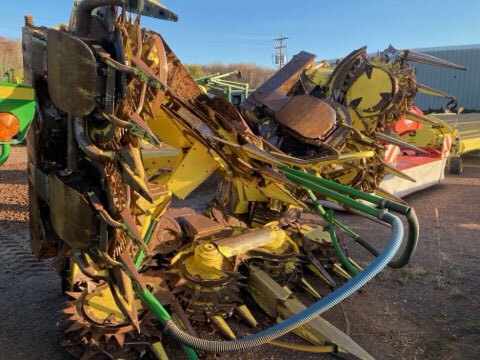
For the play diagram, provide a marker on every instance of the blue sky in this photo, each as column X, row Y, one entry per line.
column 243, row 31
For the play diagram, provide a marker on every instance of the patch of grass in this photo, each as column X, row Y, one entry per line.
column 410, row 273
column 470, row 325
column 456, row 292
column 457, row 274
column 454, row 352
column 417, row 272
column 403, row 279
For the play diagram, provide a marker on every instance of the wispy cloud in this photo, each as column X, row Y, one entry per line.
column 251, row 37
column 232, row 36
column 235, row 45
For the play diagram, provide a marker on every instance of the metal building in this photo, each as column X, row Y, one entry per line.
column 464, row 85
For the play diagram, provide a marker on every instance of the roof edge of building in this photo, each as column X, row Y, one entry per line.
column 452, row 48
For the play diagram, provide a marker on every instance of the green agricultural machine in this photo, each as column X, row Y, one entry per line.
column 17, row 107
column 233, row 91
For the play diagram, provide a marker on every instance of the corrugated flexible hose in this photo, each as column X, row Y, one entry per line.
column 306, row 315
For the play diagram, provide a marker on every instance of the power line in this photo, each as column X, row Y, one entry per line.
column 280, row 56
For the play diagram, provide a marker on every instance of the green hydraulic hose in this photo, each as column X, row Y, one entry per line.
column 323, row 213
column 345, row 228
column 343, row 259
column 161, row 314
column 149, row 299
column 410, row 247
column 375, row 199
column 343, row 199
column 148, row 236
column 328, row 215
column 408, row 212
column 341, row 225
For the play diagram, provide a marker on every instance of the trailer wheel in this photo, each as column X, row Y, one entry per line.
column 456, row 166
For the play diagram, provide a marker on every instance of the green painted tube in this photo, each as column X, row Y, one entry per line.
column 344, row 189
column 343, row 199
column 323, row 213
column 4, row 153
column 161, row 314
column 341, row 256
column 328, row 215
column 317, row 205
column 408, row 212
column 345, row 228
column 148, row 236
column 335, row 186
column 149, row 299
column 153, row 304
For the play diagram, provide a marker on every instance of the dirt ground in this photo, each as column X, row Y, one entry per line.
column 428, row 310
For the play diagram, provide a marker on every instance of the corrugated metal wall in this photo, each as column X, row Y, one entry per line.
column 464, row 85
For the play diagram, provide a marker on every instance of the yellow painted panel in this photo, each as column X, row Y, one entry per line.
column 242, row 204
column 369, row 90
column 319, row 75
column 168, row 130
column 251, row 191
column 469, row 144
column 247, row 192
column 18, row 93
column 194, row 169
column 357, row 123
column 276, row 191
column 157, row 161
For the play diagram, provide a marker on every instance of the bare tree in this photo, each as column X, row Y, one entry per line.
column 10, row 58
column 252, row 74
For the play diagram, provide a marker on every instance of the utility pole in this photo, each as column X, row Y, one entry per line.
column 280, row 56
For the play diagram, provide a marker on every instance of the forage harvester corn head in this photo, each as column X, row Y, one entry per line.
column 110, row 97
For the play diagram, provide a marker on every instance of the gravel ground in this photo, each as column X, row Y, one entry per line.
column 429, row 310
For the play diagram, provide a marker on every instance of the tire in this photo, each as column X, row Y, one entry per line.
column 456, row 166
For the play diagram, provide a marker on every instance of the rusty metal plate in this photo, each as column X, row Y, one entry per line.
column 179, row 80
column 34, row 56
column 153, row 8
column 198, row 225
column 167, row 236
column 273, row 93
column 308, row 116
column 73, row 80
column 43, row 243
column 72, row 217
